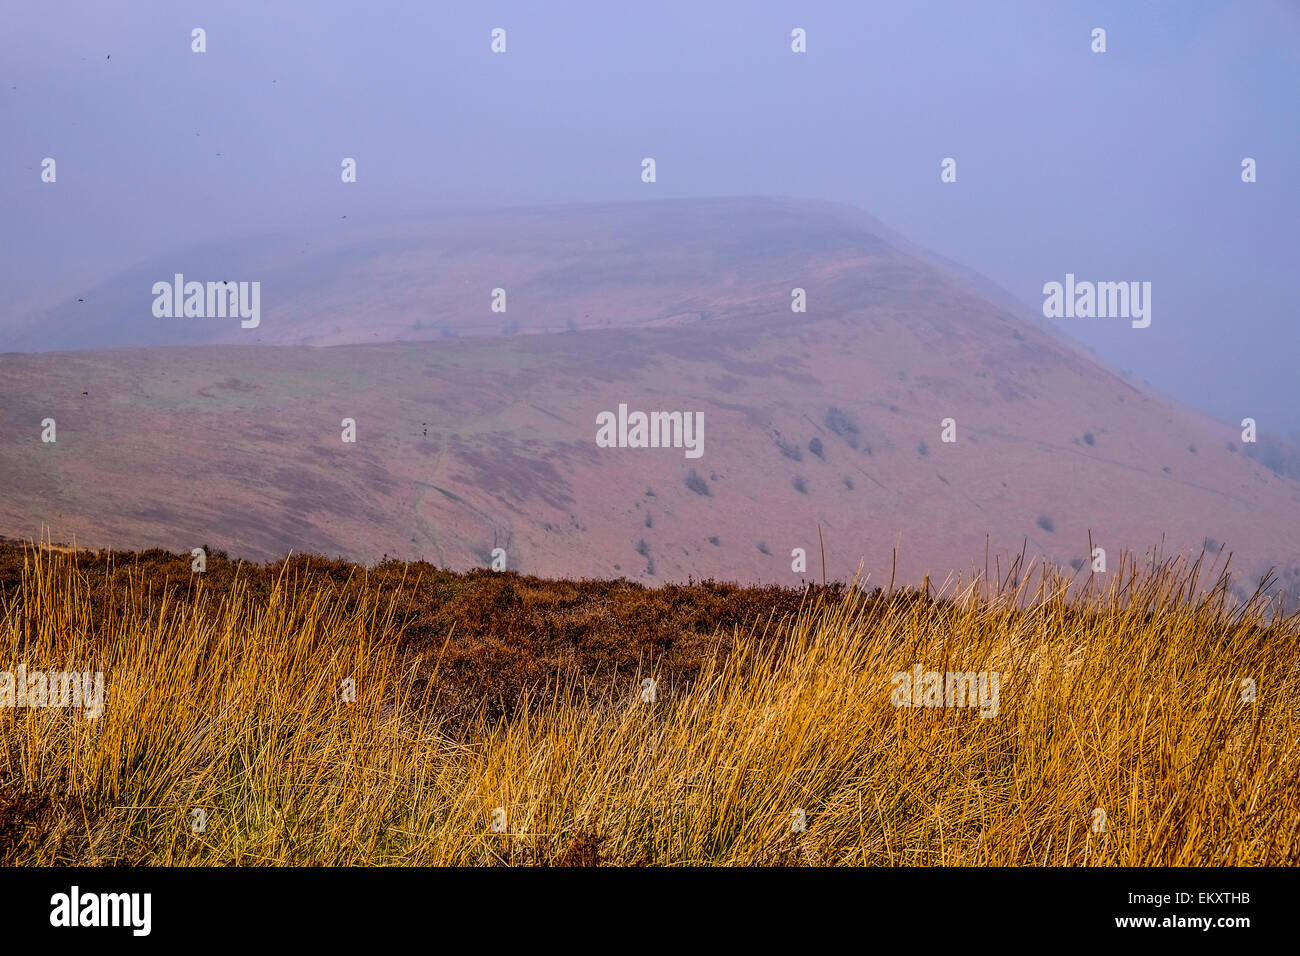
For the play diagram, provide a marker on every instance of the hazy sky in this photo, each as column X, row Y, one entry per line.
column 1117, row 166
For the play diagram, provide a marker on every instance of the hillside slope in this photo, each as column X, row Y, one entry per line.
column 476, row 440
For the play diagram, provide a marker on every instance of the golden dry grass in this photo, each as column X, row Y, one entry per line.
column 1125, row 697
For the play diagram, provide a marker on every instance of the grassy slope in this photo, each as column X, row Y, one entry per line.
column 481, row 691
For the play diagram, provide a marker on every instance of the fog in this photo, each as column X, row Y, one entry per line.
column 1115, row 166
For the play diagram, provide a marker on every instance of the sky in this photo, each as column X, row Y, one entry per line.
column 1115, row 166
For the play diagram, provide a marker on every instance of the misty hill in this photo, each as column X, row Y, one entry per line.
column 611, row 265
column 472, row 435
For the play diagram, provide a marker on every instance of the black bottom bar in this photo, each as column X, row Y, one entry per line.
column 962, row 907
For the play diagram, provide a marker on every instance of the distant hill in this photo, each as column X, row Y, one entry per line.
column 472, row 435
